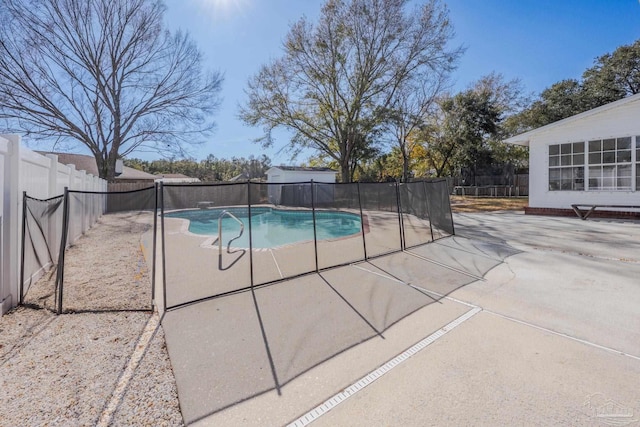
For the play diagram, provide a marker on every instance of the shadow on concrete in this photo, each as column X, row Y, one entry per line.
column 227, row 350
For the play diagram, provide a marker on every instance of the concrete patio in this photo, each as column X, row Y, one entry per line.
column 550, row 334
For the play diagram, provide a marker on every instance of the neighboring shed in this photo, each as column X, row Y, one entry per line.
column 131, row 175
column 292, row 190
column 592, row 158
column 288, row 174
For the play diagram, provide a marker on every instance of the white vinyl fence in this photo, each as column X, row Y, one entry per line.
column 41, row 177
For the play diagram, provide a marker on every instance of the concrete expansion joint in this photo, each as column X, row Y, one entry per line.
column 582, row 254
column 560, row 334
column 368, row 379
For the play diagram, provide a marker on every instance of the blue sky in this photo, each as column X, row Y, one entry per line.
column 540, row 42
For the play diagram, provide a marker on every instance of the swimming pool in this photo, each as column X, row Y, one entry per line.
column 271, row 227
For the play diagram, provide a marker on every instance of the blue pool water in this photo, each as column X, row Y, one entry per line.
column 271, row 227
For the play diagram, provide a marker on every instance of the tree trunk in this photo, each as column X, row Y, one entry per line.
column 405, row 166
column 111, row 165
column 345, row 172
column 106, row 167
column 99, row 165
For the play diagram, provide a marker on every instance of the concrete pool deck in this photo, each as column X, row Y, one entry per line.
column 551, row 334
column 195, row 269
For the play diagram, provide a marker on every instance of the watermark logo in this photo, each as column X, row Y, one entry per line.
column 609, row 412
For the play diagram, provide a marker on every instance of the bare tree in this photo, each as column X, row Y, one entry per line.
column 336, row 80
column 414, row 104
column 415, row 100
column 103, row 73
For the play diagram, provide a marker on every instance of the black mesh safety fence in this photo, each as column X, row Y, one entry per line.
column 223, row 238
column 380, row 217
column 107, row 264
column 197, row 264
column 339, row 223
column 41, row 235
column 293, row 194
column 126, row 201
column 349, row 236
column 415, row 214
column 217, row 238
column 437, row 196
column 282, row 234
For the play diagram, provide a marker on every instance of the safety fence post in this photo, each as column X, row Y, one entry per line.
column 364, row 241
column 164, row 264
column 59, row 288
column 250, row 232
column 155, row 238
column 400, row 224
column 24, row 225
column 315, row 235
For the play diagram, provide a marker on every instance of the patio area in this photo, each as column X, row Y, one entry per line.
column 514, row 320
column 550, row 334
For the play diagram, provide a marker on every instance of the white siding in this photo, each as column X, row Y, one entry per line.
column 624, row 120
column 41, row 177
column 306, row 176
column 277, row 175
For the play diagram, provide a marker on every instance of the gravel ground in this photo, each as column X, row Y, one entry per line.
column 104, row 270
column 104, row 361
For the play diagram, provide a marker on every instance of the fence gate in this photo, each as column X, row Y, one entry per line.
column 89, row 251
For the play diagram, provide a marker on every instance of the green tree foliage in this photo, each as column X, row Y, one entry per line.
column 465, row 132
column 612, row 77
column 394, row 164
column 337, row 78
column 560, row 100
column 102, row 73
column 472, row 121
column 207, row 170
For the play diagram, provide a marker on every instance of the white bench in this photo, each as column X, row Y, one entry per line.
column 591, row 208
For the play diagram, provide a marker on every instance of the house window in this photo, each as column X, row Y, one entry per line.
column 610, row 166
column 566, row 166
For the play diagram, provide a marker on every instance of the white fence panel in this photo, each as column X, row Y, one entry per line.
column 62, row 177
column 76, row 202
column 34, row 174
column 4, row 273
column 10, row 219
column 41, row 177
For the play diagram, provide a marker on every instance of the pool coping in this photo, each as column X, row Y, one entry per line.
column 210, row 241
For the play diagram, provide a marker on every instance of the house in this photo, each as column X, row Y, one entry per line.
column 88, row 164
column 290, row 184
column 134, row 176
column 243, row 176
column 592, row 158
